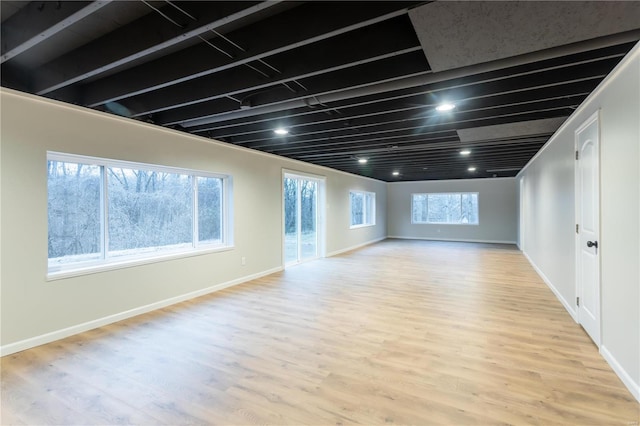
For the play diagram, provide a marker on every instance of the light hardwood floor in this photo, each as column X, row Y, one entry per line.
column 403, row 332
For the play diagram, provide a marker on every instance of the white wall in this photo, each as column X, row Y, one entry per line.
column 549, row 217
column 497, row 208
column 549, row 231
column 32, row 307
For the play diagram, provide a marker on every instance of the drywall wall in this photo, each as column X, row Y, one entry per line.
column 549, row 218
column 549, row 192
column 497, row 209
column 32, row 306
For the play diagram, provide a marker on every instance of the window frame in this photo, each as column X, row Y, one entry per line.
column 365, row 213
column 106, row 263
column 426, row 194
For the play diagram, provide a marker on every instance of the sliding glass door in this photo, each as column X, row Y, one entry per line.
column 300, row 218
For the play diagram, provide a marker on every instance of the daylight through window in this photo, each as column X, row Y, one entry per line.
column 363, row 208
column 445, row 208
column 102, row 211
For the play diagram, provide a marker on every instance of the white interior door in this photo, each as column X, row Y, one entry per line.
column 588, row 229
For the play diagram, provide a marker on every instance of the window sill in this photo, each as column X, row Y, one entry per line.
column 445, row 224
column 129, row 263
column 362, row 226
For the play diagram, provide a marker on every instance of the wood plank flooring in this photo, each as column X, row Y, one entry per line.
column 401, row 332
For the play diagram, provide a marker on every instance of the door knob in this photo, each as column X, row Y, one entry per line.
column 592, row 244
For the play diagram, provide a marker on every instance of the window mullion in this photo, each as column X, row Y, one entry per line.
column 194, row 205
column 299, row 212
column 137, row 200
column 223, row 211
column 105, row 212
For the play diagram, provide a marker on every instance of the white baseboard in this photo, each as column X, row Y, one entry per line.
column 344, row 250
column 460, row 240
column 69, row 331
column 553, row 288
column 628, row 381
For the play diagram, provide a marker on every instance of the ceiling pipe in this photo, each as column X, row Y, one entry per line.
column 423, row 79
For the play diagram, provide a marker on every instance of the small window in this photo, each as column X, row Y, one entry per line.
column 363, row 208
column 104, row 211
column 445, row 208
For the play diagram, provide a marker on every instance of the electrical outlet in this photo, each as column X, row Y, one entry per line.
column 243, row 260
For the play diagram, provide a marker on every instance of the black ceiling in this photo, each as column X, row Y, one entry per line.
column 349, row 80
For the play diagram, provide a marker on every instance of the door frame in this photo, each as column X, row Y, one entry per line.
column 521, row 225
column 320, row 211
column 595, row 117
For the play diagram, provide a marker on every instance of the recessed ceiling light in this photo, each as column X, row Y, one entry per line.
column 445, row 107
column 465, row 152
column 362, row 160
column 472, row 169
column 281, row 131
column 395, row 173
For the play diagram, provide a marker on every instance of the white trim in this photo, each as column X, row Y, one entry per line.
column 366, row 225
column 628, row 381
column 129, row 262
column 553, row 288
column 413, row 199
column 142, row 255
column 607, row 80
column 100, row 322
column 366, row 212
column 455, row 240
column 578, row 206
column 357, row 246
column 297, row 174
column 521, row 210
column 321, row 217
column 90, row 160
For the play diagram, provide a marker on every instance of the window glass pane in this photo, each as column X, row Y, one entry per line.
column 291, row 219
column 357, row 208
column 363, row 206
column 308, row 218
column 148, row 210
column 469, row 208
column 437, row 205
column 209, row 210
column 449, row 208
column 73, row 193
column 419, row 208
column 370, row 208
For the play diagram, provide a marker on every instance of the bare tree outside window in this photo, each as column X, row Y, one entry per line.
column 99, row 212
column 445, row 208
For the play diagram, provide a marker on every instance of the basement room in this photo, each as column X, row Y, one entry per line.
column 319, row 212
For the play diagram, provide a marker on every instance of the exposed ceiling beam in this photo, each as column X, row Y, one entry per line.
column 425, row 79
column 404, row 134
column 134, row 42
column 389, row 113
column 409, row 62
column 259, row 42
column 579, row 71
column 29, row 26
column 372, row 44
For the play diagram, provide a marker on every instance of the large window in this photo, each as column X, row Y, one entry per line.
column 445, row 208
column 103, row 211
column 363, row 208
